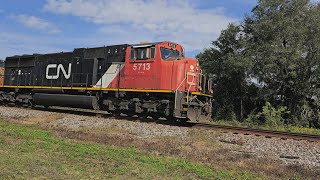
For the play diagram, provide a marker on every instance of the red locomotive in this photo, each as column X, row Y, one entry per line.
column 153, row 79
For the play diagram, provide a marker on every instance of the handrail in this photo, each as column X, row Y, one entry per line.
column 194, row 77
column 209, row 88
column 181, row 83
column 176, row 96
column 176, row 91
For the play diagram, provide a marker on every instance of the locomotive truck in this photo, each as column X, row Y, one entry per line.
column 148, row 79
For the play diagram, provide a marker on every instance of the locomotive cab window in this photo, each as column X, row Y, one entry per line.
column 142, row 53
column 152, row 52
column 132, row 55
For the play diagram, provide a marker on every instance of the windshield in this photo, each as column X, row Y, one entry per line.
column 169, row 53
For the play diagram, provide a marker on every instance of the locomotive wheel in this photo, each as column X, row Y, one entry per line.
column 116, row 112
column 182, row 120
column 143, row 116
column 131, row 114
column 155, row 117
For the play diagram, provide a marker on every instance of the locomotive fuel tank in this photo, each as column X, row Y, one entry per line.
column 75, row 101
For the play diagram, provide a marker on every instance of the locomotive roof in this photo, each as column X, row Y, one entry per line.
column 151, row 43
column 35, row 55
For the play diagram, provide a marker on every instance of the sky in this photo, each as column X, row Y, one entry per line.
column 47, row 26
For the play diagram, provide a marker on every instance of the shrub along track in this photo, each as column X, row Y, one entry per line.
column 236, row 130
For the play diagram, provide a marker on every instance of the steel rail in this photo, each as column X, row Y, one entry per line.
column 233, row 129
column 262, row 132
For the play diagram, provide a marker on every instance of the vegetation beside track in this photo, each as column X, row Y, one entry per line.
column 269, row 59
column 294, row 129
column 28, row 152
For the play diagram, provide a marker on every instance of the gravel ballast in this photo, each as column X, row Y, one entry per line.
column 141, row 130
column 289, row 152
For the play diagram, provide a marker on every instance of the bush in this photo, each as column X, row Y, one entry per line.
column 270, row 117
column 252, row 120
column 306, row 114
column 273, row 117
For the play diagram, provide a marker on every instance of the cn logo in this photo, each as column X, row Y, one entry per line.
column 58, row 69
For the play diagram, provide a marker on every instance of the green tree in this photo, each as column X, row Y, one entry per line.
column 283, row 41
column 227, row 66
column 274, row 56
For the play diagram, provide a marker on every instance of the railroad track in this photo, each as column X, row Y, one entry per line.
column 236, row 130
column 261, row 132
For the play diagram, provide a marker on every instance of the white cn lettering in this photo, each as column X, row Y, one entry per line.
column 59, row 68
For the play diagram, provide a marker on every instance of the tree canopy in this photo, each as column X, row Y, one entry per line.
column 272, row 56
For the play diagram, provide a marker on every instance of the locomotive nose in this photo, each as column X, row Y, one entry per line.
column 193, row 65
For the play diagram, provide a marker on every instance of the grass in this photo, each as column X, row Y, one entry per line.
column 200, row 146
column 27, row 152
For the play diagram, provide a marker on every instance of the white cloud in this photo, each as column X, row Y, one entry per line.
column 177, row 20
column 36, row 23
column 12, row 43
column 18, row 44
